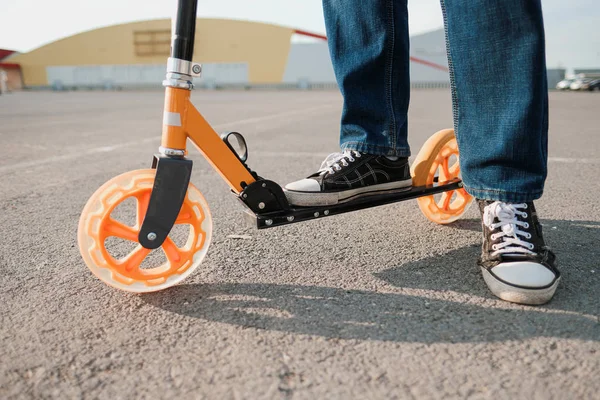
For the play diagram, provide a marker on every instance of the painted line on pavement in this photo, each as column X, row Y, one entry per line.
column 106, row 149
column 574, row 160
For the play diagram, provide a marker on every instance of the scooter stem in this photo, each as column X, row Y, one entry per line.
column 182, row 43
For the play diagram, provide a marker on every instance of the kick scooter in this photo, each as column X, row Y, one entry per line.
column 164, row 196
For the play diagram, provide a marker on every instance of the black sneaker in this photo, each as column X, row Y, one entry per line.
column 348, row 176
column 516, row 263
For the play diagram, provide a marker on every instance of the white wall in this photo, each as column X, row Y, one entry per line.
column 311, row 63
column 141, row 75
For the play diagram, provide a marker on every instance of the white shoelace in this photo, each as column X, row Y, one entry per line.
column 509, row 224
column 335, row 161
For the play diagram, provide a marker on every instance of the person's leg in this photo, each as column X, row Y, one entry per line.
column 369, row 47
column 500, row 98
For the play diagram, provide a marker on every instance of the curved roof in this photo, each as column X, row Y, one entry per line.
column 264, row 47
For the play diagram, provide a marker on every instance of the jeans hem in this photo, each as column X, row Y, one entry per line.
column 505, row 196
column 375, row 150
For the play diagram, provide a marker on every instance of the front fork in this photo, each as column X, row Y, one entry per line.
column 173, row 170
column 181, row 121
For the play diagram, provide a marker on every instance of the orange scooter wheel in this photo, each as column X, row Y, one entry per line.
column 108, row 235
column 437, row 162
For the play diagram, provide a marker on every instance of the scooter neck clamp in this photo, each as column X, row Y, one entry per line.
column 180, row 73
column 183, row 67
column 178, row 81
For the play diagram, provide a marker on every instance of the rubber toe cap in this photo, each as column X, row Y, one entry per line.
column 304, row 185
column 524, row 273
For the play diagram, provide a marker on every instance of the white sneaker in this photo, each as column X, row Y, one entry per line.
column 516, row 264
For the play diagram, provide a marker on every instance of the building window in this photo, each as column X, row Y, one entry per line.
column 152, row 43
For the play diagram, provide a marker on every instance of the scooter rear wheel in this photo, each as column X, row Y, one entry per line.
column 437, row 162
column 109, row 244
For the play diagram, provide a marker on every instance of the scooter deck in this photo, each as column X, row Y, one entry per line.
column 299, row 214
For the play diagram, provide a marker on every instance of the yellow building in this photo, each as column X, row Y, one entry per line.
column 254, row 52
column 232, row 53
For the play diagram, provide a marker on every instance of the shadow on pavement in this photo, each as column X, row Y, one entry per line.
column 444, row 318
column 576, row 244
column 354, row 314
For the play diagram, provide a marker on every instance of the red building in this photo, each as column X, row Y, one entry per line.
column 13, row 70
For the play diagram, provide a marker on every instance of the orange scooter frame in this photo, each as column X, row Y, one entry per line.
column 182, row 121
column 165, row 199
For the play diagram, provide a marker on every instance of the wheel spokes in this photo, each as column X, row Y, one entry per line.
column 445, row 200
column 445, row 170
column 171, row 251
column 135, row 258
column 143, row 199
column 120, row 230
column 455, row 169
column 436, row 164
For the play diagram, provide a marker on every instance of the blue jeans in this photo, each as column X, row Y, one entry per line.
column 496, row 58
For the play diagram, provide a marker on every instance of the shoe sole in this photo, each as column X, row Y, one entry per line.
column 312, row 199
column 516, row 294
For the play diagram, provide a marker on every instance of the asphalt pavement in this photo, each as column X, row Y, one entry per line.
column 376, row 304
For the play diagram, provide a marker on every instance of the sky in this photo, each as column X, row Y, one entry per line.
column 572, row 31
column 35, row 22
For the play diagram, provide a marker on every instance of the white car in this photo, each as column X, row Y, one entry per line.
column 581, row 84
column 565, row 84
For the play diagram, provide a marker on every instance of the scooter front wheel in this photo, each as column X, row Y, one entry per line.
column 438, row 162
column 108, row 235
